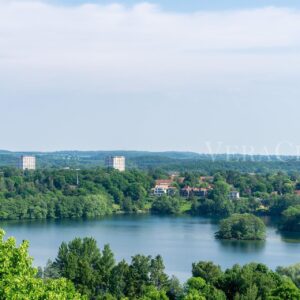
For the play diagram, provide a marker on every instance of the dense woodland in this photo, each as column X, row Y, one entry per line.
column 57, row 193
column 69, row 193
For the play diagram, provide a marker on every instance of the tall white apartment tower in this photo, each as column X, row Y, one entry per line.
column 27, row 162
column 115, row 162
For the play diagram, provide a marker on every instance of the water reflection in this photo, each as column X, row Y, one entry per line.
column 181, row 240
column 289, row 237
column 242, row 246
column 273, row 225
column 271, row 221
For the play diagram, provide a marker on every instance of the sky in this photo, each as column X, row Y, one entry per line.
column 194, row 75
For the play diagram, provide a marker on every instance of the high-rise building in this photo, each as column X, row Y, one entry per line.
column 115, row 162
column 27, row 162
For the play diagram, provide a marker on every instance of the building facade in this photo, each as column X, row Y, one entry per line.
column 27, row 163
column 115, row 162
column 234, row 195
column 160, row 190
column 188, row 191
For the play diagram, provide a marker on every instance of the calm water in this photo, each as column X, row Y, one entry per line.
column 180, row 240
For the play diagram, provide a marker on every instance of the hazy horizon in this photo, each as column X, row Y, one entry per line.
column 199, row 76
column 246, row 154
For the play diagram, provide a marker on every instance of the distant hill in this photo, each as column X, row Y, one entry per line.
column 90, row 158
column 169, row 160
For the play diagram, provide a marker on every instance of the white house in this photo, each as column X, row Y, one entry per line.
column 234, row 195
column 160, row 190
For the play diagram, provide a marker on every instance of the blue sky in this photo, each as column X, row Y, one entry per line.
column 194, row 5
column 204, row 76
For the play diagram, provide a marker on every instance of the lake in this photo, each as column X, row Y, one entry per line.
column 180, row 240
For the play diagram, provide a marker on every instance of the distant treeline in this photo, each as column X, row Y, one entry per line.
column 168, row 161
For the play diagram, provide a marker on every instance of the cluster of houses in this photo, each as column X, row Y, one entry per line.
column 166, row 187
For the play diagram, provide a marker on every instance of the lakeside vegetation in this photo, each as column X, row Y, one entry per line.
column 82, row 271
column 291, row 219
column 58, row 193
column 242, row 227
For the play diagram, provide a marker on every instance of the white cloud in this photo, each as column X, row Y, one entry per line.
column 65, row 71
column 143, row 48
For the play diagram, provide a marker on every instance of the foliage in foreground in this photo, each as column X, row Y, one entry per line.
column 242, row 227
column 82, row 266
column 18, row 278
column 96, row 275
column 292, row 272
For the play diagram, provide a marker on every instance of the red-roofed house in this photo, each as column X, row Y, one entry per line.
column 163, row 182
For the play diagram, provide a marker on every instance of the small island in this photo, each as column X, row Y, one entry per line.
column 242, row 227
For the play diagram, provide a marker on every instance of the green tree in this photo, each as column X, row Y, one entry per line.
column 18, row 278
column 158, row 278
column 251, row 293
column 50, row 270
column 286, row 290
column 207, row 270
column 175, row 289
column 293, row 272
column 78, row 261
column 139, row 275
column 242, row 227
column 166, row 205
column 119, row 279
column 221, row 190
column 152, row 293
column 291, row 219
column 105, row 267
column 251, row 279
column 197, row 288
